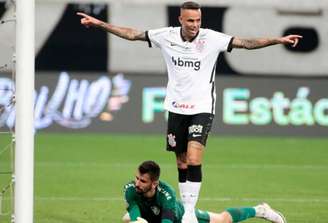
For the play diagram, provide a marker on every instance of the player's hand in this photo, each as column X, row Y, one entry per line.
column 291, row 39
column 139, row 220
column 88, row 21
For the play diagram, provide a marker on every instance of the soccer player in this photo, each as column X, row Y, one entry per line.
column 190, row 53
column 151, row 200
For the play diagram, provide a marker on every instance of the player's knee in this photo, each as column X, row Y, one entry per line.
column 223, row 217
column 182, row 165
column 126, row 218
column 226, row 217
column 194, row 160
column 194, row 154
column 215, row 218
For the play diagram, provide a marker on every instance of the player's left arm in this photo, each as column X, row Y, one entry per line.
column 257, row 43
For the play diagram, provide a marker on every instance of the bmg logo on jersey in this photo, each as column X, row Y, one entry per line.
column 186, row 63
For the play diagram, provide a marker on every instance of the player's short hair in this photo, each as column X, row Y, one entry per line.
column 151, row 168
column 190, row 5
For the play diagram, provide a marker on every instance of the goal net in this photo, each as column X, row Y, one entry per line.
column 7, row 102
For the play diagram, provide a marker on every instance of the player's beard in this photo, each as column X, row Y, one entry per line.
column 143, row 191
column 192, row 32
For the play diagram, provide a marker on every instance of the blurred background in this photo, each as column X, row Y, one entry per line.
column 99, row 98
column 87, row 80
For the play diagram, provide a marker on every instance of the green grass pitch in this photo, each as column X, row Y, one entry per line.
column 79, row 177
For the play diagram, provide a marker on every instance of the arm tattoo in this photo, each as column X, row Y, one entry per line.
column 257, row 43
column 123, row 32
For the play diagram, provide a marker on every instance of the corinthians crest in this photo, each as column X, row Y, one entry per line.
column 200, row 44
column 171, row 140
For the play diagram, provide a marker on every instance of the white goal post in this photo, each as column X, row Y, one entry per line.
column 24, row 128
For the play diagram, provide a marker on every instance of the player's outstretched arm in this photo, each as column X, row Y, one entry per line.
column 258, row 43
column 123, row 32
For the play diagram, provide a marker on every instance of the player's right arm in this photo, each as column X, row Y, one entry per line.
column 123, row 32
column 131, row 203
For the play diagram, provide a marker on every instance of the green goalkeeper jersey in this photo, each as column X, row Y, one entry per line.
column 162, row 208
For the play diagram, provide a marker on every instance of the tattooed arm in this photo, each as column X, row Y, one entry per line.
column 123, row 32
column 257, row 43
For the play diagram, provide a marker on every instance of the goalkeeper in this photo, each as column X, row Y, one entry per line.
column 150, row 200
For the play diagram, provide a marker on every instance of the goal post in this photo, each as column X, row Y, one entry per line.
column 24, row 127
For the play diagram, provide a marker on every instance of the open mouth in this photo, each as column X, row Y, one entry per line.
column 193, row 31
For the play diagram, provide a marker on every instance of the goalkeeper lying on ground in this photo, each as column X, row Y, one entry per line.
column 150, row 200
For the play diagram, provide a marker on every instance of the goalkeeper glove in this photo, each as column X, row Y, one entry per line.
column 139, row 220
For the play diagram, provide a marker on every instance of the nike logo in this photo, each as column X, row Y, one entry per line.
column 196, row 135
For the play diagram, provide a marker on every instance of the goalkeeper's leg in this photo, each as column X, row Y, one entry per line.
column 234, row 215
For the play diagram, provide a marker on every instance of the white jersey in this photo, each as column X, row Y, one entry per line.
column 191, row 68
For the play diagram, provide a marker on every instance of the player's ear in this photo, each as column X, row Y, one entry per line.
column 155, row 183
column 180, row 20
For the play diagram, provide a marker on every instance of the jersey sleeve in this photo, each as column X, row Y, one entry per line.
column 155, row 37
column 131, row 204
column 222, row 41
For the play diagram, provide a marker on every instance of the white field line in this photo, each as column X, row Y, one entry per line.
column 211, row 166
column 205, row 199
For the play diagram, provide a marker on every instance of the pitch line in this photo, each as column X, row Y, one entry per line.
column 205, row 199
column 210, row 166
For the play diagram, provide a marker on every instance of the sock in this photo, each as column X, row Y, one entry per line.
column 258, row 212
column 192, row 188
column 194, row 173
column 182, row 175
column 241, row 214
column 182, row 190
column 191, row 196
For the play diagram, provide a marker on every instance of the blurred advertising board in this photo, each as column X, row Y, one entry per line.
column 133, row 103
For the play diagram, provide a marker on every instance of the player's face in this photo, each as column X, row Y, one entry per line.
column 190, row 20
column 143, row 183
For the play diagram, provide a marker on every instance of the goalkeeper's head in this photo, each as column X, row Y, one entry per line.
column 151, row 168
column 147, row 178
